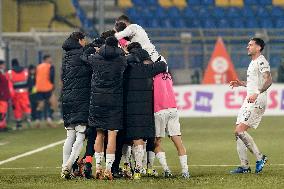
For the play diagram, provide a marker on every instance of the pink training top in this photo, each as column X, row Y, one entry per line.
column 164, row 96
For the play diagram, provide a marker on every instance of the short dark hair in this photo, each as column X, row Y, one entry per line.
column 112, row 41
column 259, row 42
column 2, row 62
column 15, row 62
column 46, row 56
column 31, row 67
column 134, row 45
column 123, row 18
column 77, row 35
column 108, row 33
column 119, row 26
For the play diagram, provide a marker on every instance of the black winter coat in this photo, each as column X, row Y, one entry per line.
column 76, row 80
column 138, row 93
column 106, row 104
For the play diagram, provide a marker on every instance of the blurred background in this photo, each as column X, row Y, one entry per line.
column 184, row 31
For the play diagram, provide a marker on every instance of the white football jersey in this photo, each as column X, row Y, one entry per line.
column 138, row 34
column 255, row 78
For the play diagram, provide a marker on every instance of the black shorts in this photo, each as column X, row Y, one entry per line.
column 44, row 95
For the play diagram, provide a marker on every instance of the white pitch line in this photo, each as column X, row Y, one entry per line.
column 15, row 168
column 31, row 152
column 3, row 143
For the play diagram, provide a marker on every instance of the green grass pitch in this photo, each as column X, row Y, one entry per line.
column 210, row 144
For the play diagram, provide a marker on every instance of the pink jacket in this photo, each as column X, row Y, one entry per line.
column 164, row 96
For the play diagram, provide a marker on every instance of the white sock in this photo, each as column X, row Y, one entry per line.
column 250, row 144
column 162, row 159
column 139, row 154
column 126, row 153
column 183, row 163
column 109, row 161
column 99, row 156
column 76, row 149
column 144, row 162
column 242, row 152
column 151, row 158
column 67, row 147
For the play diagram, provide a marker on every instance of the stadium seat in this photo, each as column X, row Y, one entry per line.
column 138, row 2
column 247, row 12
column 204, row 12
column 189, row 12
column 250, row 2
column 265, row 2
column 233, row 12
column 160, row 13
column 278, row 2
column 193, row 23
column 173, row 12
column 266, row 23
column 193, row 2
column 236, row 3
column 208, row 2
column 223, row 23
column 166, row 3
column 222, row 3
column 180, row 3
column 277, row 11
column 219, row 12
column 125, row 3
column 209, row 23
column 279, row 23
column 262, row 12
column 237, row 23
column 251, row 23
column 9, row 16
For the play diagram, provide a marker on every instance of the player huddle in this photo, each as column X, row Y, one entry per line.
column 118, row 94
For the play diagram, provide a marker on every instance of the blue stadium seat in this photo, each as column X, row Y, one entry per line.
column 265, row 2
column 250, row 2
column 173, row 12
column 189, row 12
column 237, row 23
column 219, row 12
column 193, row 2
column 262, row 12
column 193, row 23
column 279, row 23
column 160, row 12
column 138, row 2
column 275, row 60
column 209, row 23
column 208, row 2
column 266, row 23
column 204, row 12
column 179, row 23
column 277, row 11
column 247, row 11
column 223, row 23
column 233, row 12
column 252, row 23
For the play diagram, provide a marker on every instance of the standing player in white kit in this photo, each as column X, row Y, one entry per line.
column 249, row 116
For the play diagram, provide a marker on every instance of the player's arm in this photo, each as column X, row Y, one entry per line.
column 267, row 81
column 127, row 32
column 237, row 83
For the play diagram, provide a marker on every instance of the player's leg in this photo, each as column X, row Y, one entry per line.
column 138, row 155
column 110, row 153
column 173, row 128
column 161, row 121
column 99, row 153
column 26, row 107
column 91, row 135
column 118, row 154
column 67, row 149
column 77, row 145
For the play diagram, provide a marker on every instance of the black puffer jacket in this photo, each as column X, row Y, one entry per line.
column 106, row 105
column 138, row 93
column 76, row 80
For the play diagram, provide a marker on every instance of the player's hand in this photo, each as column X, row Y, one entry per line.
column 252, row 98
column 235, row 83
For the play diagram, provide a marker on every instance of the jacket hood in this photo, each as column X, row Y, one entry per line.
column 110, row 52
column 70, row 44
column 17, row 68
column 140, row 53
